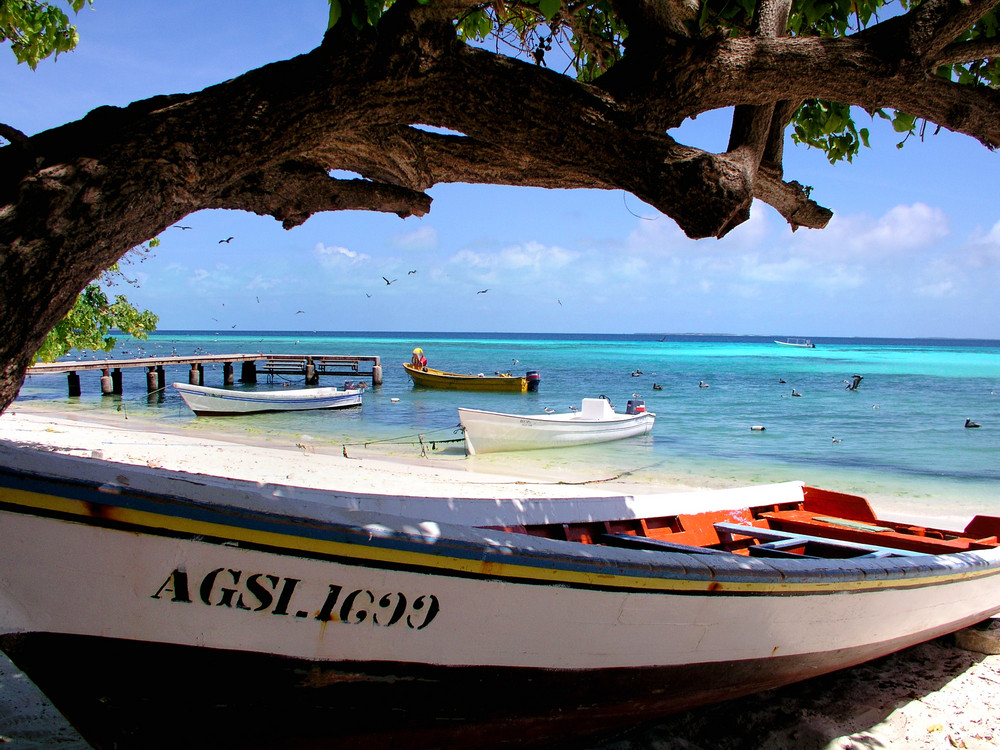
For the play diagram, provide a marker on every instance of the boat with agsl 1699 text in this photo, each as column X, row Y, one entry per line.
column 268, row 615
column 428, row 377
column 205, row 401
column 595, row 422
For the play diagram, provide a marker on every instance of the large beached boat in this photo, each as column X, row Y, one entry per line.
column 505, row 382
column 162, row 609
column 205, row 401
column 595, row 422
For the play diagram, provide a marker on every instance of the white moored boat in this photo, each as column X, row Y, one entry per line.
column 269, row 615
column 800, row 343
column 205, row 401
column 595, row 422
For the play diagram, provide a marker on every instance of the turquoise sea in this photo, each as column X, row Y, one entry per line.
column 899, row 438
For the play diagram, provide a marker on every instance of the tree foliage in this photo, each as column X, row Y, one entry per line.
column 90, row 322
column 37, row 30
column 542, row 93
column 93, row 317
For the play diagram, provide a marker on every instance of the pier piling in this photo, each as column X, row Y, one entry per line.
column 312, row 368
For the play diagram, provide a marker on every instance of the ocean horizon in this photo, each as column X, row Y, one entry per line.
column 899, row 438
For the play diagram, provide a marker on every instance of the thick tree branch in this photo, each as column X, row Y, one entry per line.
column 753, row 124
column 649, row 19
column 12, row 134
column 963, row 52
column 293, row 192
column 758, row 71
column 929, row 27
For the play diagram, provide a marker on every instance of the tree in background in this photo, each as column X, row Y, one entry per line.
column 93, row 317
column 543, row 93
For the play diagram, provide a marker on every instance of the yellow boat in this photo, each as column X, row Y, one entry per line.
column 430, row 378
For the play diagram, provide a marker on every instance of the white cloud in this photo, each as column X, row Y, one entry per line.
column 937, row 290
column 260, row 282
column 993, row 237
column 897, row 233
column 422, row 238
column 529, row 258
column 332, row 255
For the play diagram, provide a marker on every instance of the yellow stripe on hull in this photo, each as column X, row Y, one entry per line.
column 157, row 523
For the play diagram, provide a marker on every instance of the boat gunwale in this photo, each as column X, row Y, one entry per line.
column 369, row 538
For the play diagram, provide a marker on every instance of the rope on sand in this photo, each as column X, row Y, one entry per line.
column 414, row 439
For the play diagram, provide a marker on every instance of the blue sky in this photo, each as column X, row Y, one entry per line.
column 913, row 249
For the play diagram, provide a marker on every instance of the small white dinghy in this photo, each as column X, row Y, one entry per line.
column 595, row 422
column 205, row 401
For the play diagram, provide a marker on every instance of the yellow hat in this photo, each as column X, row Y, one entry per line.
column 418, row 350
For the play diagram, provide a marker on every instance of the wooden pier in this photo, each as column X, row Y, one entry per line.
column 310, row 367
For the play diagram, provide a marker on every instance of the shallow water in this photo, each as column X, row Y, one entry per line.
column 900, row 437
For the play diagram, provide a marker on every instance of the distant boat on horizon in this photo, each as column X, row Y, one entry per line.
column 801, row 343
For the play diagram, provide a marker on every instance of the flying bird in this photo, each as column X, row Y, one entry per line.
column 178, row 226
column 482, row 291
column 226, row 241
column 410, row 273
column 299, row 312
column 368, row 295
column 387, row 282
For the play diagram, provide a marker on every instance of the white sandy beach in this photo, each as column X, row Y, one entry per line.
column 937, row 695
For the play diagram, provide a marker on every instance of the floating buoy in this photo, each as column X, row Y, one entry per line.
column 757, row 428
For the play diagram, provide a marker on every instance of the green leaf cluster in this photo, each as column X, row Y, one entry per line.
column 37, row 29
column 89, row 323
column 360, row 12
column 590, row 33
column 93, row 316
column 977, row 72
column 829, row 127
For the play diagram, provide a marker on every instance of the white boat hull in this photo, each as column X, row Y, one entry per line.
column 229, row 593
column 489, row 432
column 205, row 401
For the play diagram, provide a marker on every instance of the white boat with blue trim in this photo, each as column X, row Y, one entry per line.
column 268, row 615
column 206, row 401
column 595, row 422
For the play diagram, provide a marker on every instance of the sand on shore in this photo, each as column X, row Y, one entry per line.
column 935, row 695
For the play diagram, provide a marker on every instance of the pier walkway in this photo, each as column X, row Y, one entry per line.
column 310, row 367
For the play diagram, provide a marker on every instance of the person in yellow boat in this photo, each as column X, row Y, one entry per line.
column 418, row 359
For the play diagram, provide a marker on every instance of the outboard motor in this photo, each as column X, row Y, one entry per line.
column 635, row 406
column 533, row 379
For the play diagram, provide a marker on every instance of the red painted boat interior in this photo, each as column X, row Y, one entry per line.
column 844, row 521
